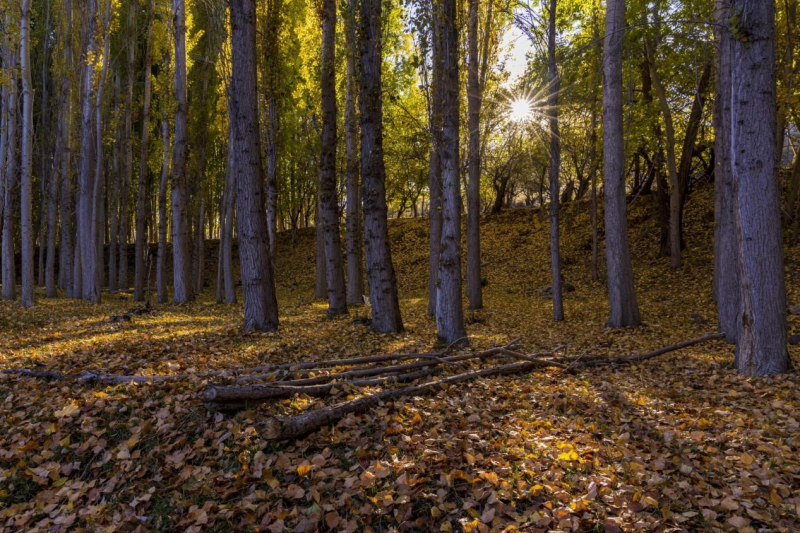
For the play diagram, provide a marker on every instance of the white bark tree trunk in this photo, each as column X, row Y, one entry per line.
column 26, row 156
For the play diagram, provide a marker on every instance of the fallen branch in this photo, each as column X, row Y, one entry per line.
column 297, row 426
column 300, row 425
column 233, row 398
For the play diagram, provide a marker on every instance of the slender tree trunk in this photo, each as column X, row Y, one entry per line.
column 3, row 149
column 9, row 277
column 258, row 283
column 355, row 258
column 321, row 282
column 474, row 96
column 337, row 295
column 181, row 253
column 555, row 165
column 113, row 245
column 45, row 150
column 380, row 270
column 143, row 192
column 273, row 79
column 435, row 162
column 26, row 156
column 621, row 290
column 762, row 348
column 51, row 290
column 65, row 127
column 449, row 310
column 161, row 267
column 593, row 142
column 726, row 262
column 127, row 177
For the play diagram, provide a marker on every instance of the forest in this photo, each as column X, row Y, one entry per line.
column 400, row 265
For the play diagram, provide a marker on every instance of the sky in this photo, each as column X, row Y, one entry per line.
column 516, row 47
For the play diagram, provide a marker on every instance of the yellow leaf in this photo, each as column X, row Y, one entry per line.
column 303, row 469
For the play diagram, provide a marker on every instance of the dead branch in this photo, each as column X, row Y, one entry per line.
column 297, row 426
column 233, row 398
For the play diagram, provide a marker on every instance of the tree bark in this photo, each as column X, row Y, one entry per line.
column 66, row 259
column 127, row 176
column 337, row 295
column 321, row 281
column 258, row 284
column 621, row 290
column 161, row 267
column 354, row 234
column 113, row 245
column 380, row 270
column 143, row 192
column 435, row 162
column 762, row 348
column 726, row 262
column 449, row 310
column 26, row 156
column 593, row 142
column 272, row 80
column 555, row 165
column 181, row 251
column 474, row 97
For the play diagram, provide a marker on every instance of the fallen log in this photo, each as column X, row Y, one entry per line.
column 275, row 428
column 234, row 398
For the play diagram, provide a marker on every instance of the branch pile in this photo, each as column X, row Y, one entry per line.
column 231, row 398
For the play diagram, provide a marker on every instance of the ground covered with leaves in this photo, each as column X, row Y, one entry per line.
column 680, row 443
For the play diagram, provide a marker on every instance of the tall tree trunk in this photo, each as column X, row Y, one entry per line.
column 474, row 96
column 97, row 217
column 66, row 262
column 26, row 156
column 161, row 267
column 762, row 348
column 9, row 275
column 181, row 252
column 227, row 249
column 672, row 167
column 127, row 177
column 85, row 216
column 380, row 270
column 726, row 262
column 273, row 79
column 143, row 192
column 353, row 238
column 593, row 141
column 337, row 296
column 449, row 310
column 51, row 290
column 113, row 244
column 45, row 154
column 621, row 290
column 555, row 165
column 258, row 283
column 435, row 162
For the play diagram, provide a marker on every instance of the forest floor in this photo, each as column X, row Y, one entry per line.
column 680, row 443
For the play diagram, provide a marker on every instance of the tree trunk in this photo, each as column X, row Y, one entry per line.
column 86, row 191
column 621, row 290
column 593, row 142
column 321, row 282
column 161, row 268
column 258, row 284
column 337, row 295
column 143, row 192
column 474, row 96
column 51, row 290
column 9, row 277
column 380, row 270
column 726, row 262
column 66, row 262
column 762, row 348
column 555, row 165
column 181, row 252
column 226, row 237
column 272, row 81
column 26, row 156
column 127, row 177
column 449, row 310
column 113, row 245
column 353, row 238
column 435, row 162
